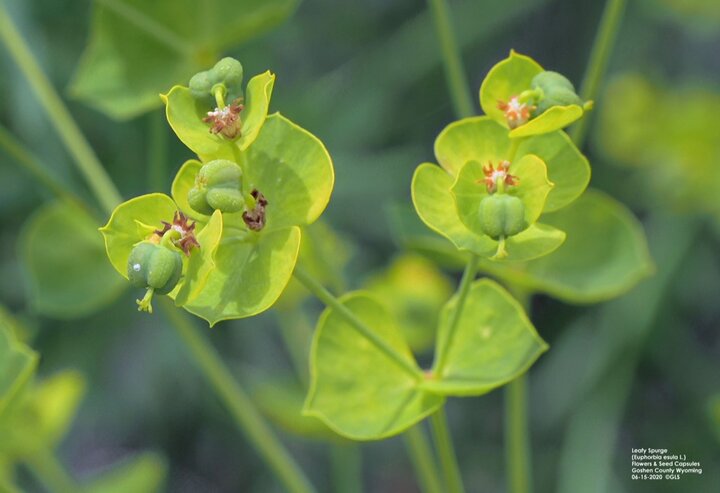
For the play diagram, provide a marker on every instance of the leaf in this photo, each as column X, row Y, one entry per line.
column 434, row 204
column 604, row 256
column 143, row 473
column 67, row 273
column 202, row 261
column 185, row 115
column 418, row 290
column 483, row 140
column 17, row 365
column 493, row 343
column 181, row 185
column 138, row 49
column 506, row 79
column 131, row 222
column 469, row 190
column 356, row 389
column 251, row 272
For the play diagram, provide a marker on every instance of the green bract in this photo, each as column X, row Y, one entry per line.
column 550, row 174
column 520, row 95
column 291, row 169
column 185, row 114
column 374, row 396
column 139, row 220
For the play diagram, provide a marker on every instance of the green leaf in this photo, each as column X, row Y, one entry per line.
column 64, row 258
column 185, row 115
column 201, row 262
column 293, row 169
column 506, row 79
column 356, row 389
column 605, row 254
column 551, row 120
column 251, row 272
column 133, row 221
column 138, row 49
column 434, row 204
column 144, row 473
column 181, row 185
column 17, row 365
column 493, row 343
column 418, row 291
column 483, row 140
column 469, row 190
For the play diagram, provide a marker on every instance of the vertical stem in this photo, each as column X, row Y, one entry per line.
column 51, row 473
column 446, row 451
column 454, row 72
column 157, row 151
column 602, row 47
column 86, row 160
column 444, row 346
column 246, row 416
column 517, row 437
column 346, row 462
column 422, row 459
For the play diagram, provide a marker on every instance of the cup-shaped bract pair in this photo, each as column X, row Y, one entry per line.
column 269, row 182
column 489, row 191
column 520, row 95
column 215, row 112
column 155, row 246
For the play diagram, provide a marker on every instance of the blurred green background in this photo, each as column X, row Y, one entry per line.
column 366, row 77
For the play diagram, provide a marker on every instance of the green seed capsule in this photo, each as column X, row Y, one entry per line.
column 229, row 72
column 557, row 91
column 201, row 86
column 154, row 266
column 501, row 215
column 218, row 186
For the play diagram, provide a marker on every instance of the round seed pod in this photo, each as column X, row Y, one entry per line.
column 501, row 215
column 218, row 186
column 557, row 91
column 154, row 266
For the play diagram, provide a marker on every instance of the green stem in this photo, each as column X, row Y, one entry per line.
column 444, row 346
column 86, row 160
column 422, row 459
column 331, row 301
column 517, row 437
column 51, row 473
column 246, row 416
column 32, row 165
column 346, row 461
column 157, row 151
column 446, row 451
column 454, row 72
column 599, row 57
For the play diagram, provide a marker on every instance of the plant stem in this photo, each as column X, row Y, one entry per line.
column 517, row 437
column 86, row 160
column 599, row 57
column 444, row 346
column 444, row 446
column 346, row 461
column 454, row 72
column 246, row 416
column 157, row 151
column 32, row 165
column 331, row 301
column 423, row 461
column 51, row 473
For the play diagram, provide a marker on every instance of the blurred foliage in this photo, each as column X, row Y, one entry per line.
column 366, row 78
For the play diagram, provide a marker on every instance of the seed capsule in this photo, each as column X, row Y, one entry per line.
column 154, row 266
column 557, row 91
column 218, row 185
column 228, row 72
column 501, row 215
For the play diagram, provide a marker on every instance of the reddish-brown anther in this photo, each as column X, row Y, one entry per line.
column 516, row 113
column 225, row 121
column 499, row 174
column 181, row 223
